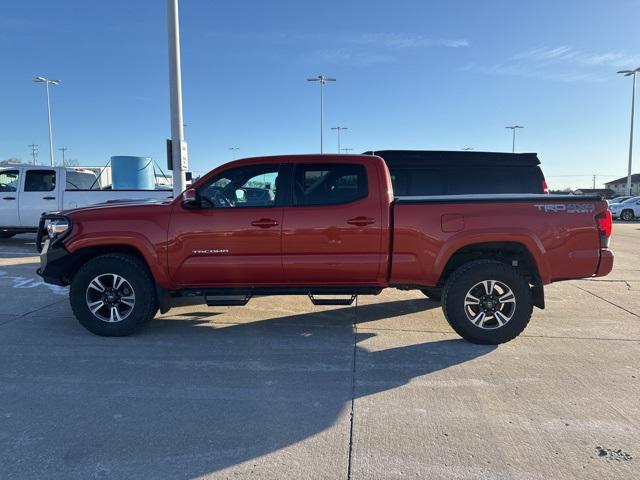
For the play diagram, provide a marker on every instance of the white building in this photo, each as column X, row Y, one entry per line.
column 619, row 186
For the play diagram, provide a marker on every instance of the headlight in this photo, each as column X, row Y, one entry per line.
column 56, row 228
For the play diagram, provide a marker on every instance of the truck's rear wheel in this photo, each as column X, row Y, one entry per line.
column 434, row 293
column 113, row 295
column 487, row 302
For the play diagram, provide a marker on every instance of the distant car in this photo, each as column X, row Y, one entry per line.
column 618, row 199
column 627, row 209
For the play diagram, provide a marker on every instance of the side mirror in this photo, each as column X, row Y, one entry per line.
column 190, row 198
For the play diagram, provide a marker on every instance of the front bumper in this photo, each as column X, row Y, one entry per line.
column 54, row 263
column 55, row 259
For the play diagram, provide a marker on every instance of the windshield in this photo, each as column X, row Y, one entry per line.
column 628, row 200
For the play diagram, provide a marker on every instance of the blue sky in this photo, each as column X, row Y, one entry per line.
column 411, row 74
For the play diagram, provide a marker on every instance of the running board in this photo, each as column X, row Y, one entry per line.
column 332, row 301
column 227, row 300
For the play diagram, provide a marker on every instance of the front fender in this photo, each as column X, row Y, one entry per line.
column 151, row 253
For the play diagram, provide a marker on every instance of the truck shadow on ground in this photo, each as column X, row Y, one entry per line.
column 266, row 385
column 190, row 397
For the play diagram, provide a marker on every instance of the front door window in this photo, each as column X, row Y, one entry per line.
column 254, row 186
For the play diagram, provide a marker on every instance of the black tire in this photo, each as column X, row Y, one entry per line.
column 7, row 234
column 434, row 293
column 468, row 277
column 627, row 215
column 136, row 274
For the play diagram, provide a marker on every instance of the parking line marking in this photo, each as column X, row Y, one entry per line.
column 609, row 302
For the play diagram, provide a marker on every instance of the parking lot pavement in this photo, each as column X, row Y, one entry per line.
column 282, row 389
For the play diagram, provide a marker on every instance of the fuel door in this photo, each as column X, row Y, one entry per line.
column 452, row 222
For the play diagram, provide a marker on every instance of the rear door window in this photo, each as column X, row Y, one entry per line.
column 329, row 183
column 40, row 181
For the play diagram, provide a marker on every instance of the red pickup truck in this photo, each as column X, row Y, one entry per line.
column 323, row 225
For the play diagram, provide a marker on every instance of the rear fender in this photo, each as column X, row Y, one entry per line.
column 522, row 236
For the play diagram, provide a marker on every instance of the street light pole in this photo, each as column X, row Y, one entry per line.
column 631, row 73
column 235, row 151
column 513, row 128
column 322, row 79
column 339, row 129
column 178, row 145
column 46, row 81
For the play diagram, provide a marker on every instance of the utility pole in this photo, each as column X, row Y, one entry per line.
column 34, row 152
column 322, row 79
column 178, row 145
column 631, row 73
column 63, row 150
column 46, row 81
column 234, row 150
column 594, row 182
column 513, row 128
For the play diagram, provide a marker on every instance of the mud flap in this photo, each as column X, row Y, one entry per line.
column 164, row 299
column 537, row 295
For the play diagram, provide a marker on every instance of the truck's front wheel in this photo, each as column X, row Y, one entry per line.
column 487, row 302
column 113, row 295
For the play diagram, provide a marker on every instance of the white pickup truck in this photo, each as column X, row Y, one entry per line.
column 27, row 191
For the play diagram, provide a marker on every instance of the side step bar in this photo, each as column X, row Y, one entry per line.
column 227, row 300
column 332, row 301
column 238, row 297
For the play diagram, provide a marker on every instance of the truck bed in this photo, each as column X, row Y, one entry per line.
column 557, row 230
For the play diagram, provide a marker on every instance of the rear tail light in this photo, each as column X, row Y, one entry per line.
column 605, row 226
column 545, row 187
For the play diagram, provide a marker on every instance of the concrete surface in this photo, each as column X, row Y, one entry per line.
column 281, row 389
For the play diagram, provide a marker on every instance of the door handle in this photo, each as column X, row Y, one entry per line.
column 48, row 198
column 8, row 198
column 360, row 221
column 265, row 223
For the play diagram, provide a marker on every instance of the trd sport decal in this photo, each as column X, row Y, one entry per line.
column 565, row 208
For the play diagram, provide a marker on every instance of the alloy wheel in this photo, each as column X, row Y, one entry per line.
column 489, row 304
column 110, row 297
